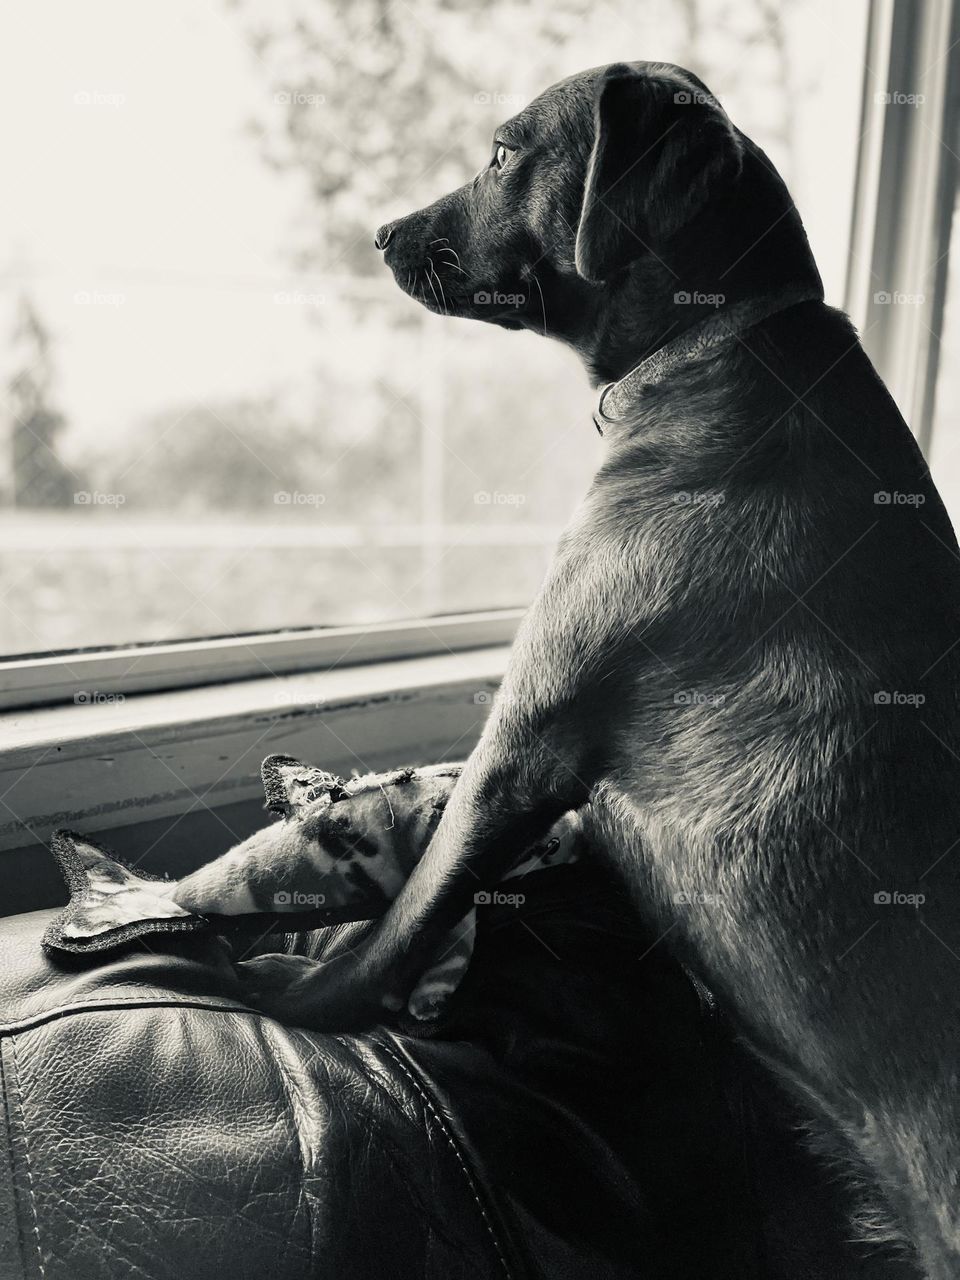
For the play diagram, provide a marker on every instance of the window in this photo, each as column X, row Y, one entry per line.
column 221, row 416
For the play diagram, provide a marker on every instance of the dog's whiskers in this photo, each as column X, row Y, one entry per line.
column 456, row 258
column 436, row 276
column 431, row 274
column 442, row 240
column 443, row 296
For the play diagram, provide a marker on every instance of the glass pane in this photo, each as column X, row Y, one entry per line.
column 221, row 415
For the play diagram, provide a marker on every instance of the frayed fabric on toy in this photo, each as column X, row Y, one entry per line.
column 341, row 851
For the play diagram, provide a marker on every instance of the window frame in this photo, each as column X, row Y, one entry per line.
column 904, row 194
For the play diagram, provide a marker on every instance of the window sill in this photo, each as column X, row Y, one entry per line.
column 89, row 675
column 126, row 760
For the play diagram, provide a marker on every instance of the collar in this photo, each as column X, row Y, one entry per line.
column 693, row 344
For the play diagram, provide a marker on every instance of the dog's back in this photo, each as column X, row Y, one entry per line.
column 770, row 764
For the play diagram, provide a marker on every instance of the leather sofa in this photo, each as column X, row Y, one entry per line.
column 581, row 1113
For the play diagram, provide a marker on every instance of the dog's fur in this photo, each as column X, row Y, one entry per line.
column 701, row 668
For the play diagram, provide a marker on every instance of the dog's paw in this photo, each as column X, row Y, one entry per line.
column 336, row 995
column 274, row 981
column 356, row 988
column 274, row 971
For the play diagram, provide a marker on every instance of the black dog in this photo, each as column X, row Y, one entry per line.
column 743, row 665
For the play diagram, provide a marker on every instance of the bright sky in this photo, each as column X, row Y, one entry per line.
column 130, row 181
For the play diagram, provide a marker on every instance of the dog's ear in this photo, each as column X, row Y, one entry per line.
column 660, row 150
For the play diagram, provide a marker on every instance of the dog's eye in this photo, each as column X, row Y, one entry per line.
column 503, row 154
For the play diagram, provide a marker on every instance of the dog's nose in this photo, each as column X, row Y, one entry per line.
column 382, row 238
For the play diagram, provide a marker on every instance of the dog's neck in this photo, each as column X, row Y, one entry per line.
column 696, row 342
column 747, row 244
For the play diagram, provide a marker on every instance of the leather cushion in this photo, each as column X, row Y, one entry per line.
column 579, row 1115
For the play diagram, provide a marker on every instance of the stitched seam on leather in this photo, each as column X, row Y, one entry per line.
column 445, row 1130
column 110, row 1002
column 290, row 1091
column 26, row 1155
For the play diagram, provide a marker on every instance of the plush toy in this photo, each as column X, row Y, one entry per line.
column 341, row 851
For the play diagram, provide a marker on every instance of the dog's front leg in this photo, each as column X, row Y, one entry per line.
column 492, row 816
column 541, row 753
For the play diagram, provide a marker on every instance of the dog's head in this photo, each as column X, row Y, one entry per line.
column 629, row 173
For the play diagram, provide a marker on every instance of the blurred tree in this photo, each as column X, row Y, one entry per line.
column 379, row 104
column 38, row 476
column 253, row 456
column 199, row 459
column 373, row 95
